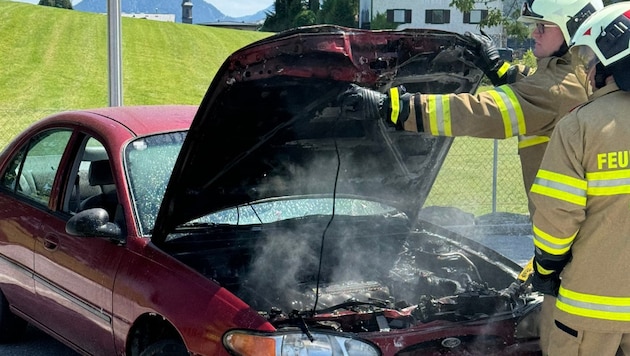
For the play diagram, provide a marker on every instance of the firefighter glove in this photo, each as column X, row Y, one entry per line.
column 487, row 58
column 546, row 284
column 366, row 104
column 362, row 103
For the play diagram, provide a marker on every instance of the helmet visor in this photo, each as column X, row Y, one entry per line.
column 584, row 57
column 527, row 14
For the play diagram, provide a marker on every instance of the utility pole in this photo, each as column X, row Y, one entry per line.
column 114, row 38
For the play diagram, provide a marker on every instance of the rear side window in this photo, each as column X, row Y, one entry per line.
column 33, row 169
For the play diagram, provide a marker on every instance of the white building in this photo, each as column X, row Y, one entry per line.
column 154, row 17
column 432, row 14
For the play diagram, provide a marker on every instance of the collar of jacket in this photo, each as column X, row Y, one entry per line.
column 544, row 62
column 607, row 89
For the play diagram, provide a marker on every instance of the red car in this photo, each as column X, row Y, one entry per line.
column 269, row 220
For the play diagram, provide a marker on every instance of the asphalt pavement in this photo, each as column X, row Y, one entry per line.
column 36, row 343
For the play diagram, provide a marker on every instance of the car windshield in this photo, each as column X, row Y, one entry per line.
column 149, row 162
column 274, row 210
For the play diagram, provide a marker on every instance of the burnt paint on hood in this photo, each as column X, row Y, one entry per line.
column 270, row 123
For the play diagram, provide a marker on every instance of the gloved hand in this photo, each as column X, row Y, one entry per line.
column 366, row 104
column 546, row 284
column 488, row 59
column 362, row 103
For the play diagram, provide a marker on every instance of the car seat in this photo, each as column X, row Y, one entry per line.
column 100, row 175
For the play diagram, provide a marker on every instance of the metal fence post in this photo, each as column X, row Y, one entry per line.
column 495, row 164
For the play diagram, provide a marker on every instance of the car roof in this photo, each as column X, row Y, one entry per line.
column 117, row 124
column 144, row 120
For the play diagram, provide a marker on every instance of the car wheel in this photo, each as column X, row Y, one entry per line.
column 165, row 348
column 12, row 327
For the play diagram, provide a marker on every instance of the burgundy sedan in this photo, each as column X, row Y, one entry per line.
column 270, row 220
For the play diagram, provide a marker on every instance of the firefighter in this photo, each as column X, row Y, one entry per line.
column 525, row 106
column 582, row 198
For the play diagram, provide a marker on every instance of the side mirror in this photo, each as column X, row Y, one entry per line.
column 94, row 223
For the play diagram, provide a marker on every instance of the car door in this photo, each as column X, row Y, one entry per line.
column 25, row 189
column 75, row 275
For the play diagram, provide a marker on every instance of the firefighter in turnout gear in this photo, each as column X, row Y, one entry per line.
column 527, row 106
column 582, row 199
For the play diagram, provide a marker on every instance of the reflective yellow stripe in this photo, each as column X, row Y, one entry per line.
column 551, row 244
column 439, row 110
column 561, row 187
column 504, row 68
column 394, row 100
column 543, row 271
column 594, row 306
column 528, row 141
column 510, row 109
column 608, row 183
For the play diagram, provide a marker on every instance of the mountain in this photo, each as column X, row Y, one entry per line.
column 202, row 11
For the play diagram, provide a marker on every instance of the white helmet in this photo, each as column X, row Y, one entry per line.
column 566, row 14
column 605, row 38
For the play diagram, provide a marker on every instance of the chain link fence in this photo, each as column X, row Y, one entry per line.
column 479, row 176
column 13, row 121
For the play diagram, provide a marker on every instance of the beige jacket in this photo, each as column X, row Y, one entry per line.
column 582, row 200
column 528, row 108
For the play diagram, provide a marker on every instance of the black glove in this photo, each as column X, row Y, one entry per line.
column 366, row 104
column 362, row 103
column 546, row 284
column 488, row 59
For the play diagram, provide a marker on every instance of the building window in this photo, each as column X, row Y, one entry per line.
column 399, row 16
column 475, row 16
column 438, row 16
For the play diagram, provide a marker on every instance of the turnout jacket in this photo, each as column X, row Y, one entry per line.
column 582, row 217
column 528, row 108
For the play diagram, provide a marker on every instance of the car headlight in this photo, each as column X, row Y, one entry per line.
column 249, row 343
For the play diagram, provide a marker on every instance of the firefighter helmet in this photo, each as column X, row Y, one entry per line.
column 605, row 38
column 566, row 14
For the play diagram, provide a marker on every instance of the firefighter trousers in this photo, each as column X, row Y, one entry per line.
column 571, row 340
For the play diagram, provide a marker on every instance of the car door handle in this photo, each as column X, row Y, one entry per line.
column 51, row 242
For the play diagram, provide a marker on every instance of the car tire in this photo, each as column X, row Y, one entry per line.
column 12, row 327
column 165, row 348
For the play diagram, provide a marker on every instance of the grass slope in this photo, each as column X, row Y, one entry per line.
column 55, row 59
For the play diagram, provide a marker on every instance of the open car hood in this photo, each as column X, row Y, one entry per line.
column 270, row 124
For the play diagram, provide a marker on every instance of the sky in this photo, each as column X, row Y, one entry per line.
column 233, row 8
column 236, row 8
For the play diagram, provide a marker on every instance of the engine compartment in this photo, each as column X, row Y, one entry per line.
column 374, row 274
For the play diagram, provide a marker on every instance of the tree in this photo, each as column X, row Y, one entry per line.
column 285, row 15
column 305, row 18
column 379, row 22
column 63, row 4
column 339, row 12
column 497, row 17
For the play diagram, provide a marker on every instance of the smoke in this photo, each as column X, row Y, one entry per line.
column 354, row 245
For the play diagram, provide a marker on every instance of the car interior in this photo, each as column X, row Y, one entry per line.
column 94, row 186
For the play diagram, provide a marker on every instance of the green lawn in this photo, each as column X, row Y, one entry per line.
column 55, row 59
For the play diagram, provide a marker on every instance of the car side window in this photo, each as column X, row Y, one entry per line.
column 93, row 185
column 33, row 169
